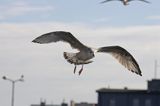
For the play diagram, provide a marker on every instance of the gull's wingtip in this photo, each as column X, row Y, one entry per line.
column 146, row 1
column 103, row 2
column 35, row 41
column 138, row 73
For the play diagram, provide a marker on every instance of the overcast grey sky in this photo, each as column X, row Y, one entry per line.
column 47, row 75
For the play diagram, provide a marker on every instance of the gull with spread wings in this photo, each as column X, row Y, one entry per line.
column 86, row 53
column 125, row 2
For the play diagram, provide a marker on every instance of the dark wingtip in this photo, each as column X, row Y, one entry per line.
column 103, row 2
column 35, row 41
column 147, row 2
column 139, row 73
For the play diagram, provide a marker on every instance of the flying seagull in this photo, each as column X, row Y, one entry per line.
column 86, row 53
column 125, row 2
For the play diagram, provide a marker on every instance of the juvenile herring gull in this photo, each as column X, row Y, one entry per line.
column 125, row 2
column 86, row 53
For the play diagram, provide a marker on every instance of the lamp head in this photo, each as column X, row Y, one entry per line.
column 21, row 79
column 4, row 77
column 22, row 76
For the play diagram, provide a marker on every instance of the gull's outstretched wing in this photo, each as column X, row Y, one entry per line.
column 141, row 0
column 109, row 0
column 123, row 56
column 60, row 36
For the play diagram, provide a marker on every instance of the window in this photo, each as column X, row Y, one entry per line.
column 148, row 102
column 136, row 102
column 112, row 102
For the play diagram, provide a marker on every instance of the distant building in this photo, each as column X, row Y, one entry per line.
column 64, row 104
column 44, row 104
column 82, row 104
column 128, row 97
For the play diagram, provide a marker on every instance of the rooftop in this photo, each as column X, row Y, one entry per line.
column 125, row 90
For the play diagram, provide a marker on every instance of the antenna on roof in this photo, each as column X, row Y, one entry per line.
column 155, row 68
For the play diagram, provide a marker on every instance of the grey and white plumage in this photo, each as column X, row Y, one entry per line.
column 86, row 53
column 125, row 2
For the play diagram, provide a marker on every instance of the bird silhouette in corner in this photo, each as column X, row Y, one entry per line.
column 125, row 2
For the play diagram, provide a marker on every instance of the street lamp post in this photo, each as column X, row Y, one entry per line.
column 13, row 86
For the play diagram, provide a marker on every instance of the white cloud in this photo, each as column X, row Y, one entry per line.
column 102, row 19
column 21, row 8
column 155, row 17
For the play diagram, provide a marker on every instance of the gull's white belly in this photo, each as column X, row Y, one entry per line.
column 76, row 58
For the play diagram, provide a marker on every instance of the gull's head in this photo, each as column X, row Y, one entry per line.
column 93, row 49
